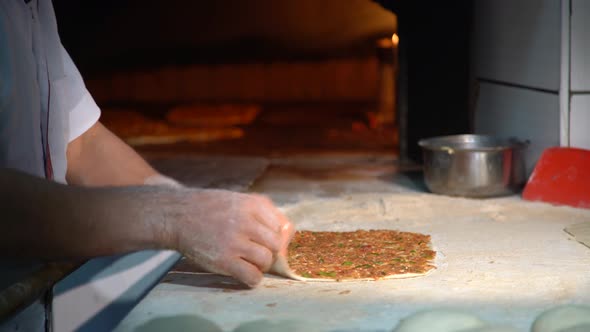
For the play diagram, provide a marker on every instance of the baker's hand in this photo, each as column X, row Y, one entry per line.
column 230, row 233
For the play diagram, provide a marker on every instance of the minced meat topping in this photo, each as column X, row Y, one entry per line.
column 372, row 254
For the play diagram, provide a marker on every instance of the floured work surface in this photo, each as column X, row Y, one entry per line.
column 212, row 172
column 357, row 255
column 502, row 259
column 581, row 232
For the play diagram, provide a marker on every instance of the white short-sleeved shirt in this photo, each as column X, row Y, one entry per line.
column 44, row 103
column 43, row 100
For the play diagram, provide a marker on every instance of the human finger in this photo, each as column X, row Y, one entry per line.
column 256, row 254
column 264, row 212
column 245, row 272
column 265, row 236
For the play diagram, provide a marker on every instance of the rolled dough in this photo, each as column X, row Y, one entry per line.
column 281, row 265
column 440, row 320
column 577, row 328
column 281, row 268
column 272, row 326
column 562, row 318
column 493, row 329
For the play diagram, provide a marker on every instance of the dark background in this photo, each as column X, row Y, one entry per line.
column 435, row 37
column 434, row 46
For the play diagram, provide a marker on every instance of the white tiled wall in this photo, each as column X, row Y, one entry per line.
column 580, row 121
column 580, row 45
column 518, row 63
column 506, row 111
column 518, row 42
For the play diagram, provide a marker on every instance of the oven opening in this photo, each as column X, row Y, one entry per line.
column 267, row 80
column 270, row 78
column 343, row 101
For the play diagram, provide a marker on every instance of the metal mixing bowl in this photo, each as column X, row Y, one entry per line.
column 473, row 165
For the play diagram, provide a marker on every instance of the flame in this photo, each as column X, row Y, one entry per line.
column 395, row 39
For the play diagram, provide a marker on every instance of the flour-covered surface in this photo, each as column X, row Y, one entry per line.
column 219, row 172
column 503, row 259
column 580, row 232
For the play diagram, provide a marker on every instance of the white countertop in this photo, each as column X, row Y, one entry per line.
column 503, row 259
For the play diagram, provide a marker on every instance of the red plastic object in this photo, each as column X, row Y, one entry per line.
column 561, row 176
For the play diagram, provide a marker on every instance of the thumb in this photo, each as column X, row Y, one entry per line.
column 287, row 232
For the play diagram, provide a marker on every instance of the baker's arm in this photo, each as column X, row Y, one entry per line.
column 99, row 158
column 225, row 232
column 215, row 229
column 47, row 220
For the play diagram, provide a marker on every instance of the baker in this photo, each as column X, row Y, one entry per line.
column 69, row 188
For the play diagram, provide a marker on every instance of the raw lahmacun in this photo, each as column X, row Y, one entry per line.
column 359, row 255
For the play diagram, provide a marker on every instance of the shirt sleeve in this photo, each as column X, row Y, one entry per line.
column 83, row 110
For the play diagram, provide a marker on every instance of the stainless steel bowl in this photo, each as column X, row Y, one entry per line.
column 473, row 165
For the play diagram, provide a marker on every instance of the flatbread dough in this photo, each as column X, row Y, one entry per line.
column 493, row 329
column 562, row 318
column 281, row 266
column 213, row 115
column 137, row 129
column 272, row 326
column 179, row 135
column 440, row 320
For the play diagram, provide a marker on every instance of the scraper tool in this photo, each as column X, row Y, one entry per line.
column 562, row 176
